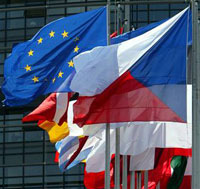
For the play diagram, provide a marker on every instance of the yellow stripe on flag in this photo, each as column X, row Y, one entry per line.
column 55, row 131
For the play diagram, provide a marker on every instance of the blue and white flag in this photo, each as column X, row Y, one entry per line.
column 41, row 65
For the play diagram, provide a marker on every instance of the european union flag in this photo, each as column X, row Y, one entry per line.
column 43, row 64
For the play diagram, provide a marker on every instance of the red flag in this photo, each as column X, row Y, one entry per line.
column 53, row 108
column 96, row 180
column 161, row 173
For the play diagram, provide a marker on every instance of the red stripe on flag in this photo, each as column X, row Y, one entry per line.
column 56, row 157
column 45, row 111
column 126, row 100
column 82, row 142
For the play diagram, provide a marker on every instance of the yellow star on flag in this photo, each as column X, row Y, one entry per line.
column 35, row 79
column 51, row 34
column 53, row 80
column 30, row 53
column 76, row 49
column 60, row 74
column 27, row 68
column 65, row 34
column 76, row 39
column 40, row 40
column 71, row 64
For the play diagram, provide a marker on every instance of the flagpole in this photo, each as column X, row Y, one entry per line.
column 107, row 154
column 126, row 22
column 195, row 99
column 124, row 181
column 117, row 158
column 132, row 180
column 146, row 179
column 117, row 133
column 139, row 179
column 107, row 136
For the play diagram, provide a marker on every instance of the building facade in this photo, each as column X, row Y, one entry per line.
column 26, row 155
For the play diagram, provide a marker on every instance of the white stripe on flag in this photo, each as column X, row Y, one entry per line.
column 61, row 106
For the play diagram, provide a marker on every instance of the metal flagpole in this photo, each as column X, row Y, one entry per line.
column 132, row 179
column 158, row 185
column 195, row 99
column 107, row 136
column 146, row 179
column 126, row 24
column 139, row 179
column 107, row 154
column 117, row 159
column 124, row 181
column 117, row 133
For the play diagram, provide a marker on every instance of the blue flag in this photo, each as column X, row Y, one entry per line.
column 44, row 64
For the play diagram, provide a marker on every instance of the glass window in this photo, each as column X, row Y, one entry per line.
column 15, row 3
column 52, row 18
column 34, row 22
column 50, row 157
column 12, row 117
column 33, row 147
column 1, row 161
column 13, row 137
column 13, row 171
column 34, row 158
column 2, row 15
column 92, row 8
column 1, row 138
column 3, row 3
column 15, row 23
column 75, row 169
column 1, row 172
column 2, row 24
column 56, row 11
column 13, row 122
column 33, row 170
column 1, row 95
column 13, row 35
column 31, row 32
column 159, row 6
column 34, row 135
column 142, row 7
column 49, row 147
column 98, row 0
column 15, row 14
column 179, row 6
column 11, row 181
column 172, row 13
column 32, row 13
column 2, row 35
column 53, row 169
column 73, row 10
column 2, row 57
column 72, row 1
column 54, row 179
column 142, row 16
column 13, row 148
column 2, row 44
column 55, row 1
column 139, row 25
column 13, row 128
column 13, row 159
column 35, row 2
column 158, row 15
column 33, row 180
